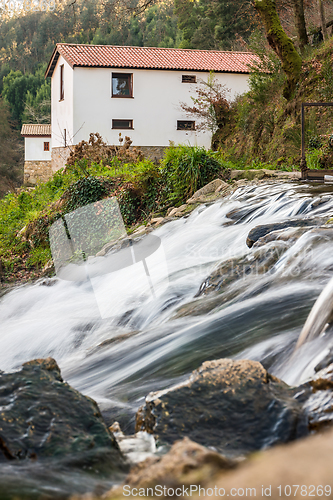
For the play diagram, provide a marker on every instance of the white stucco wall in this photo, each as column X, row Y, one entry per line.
column 62, row 111
column 34, row 149
column 154, row 108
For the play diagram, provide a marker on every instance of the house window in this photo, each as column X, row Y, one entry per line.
column 189, row 79
column 185, row 125
column 46, row 146
column 122, row 124
column 62, row 88
column 122, row 85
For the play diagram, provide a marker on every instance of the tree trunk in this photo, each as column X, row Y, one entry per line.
column 322, row 19
column 300, row 23
column 280, row 43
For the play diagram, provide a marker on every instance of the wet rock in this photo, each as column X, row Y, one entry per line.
column 297, row 470
column 43, row 417
column 198, row 307
column 328, row 359
column 156, row 220
column 235, row 407
column 289, row 236
column 186, row 463
column 252, row 174
column 324, row 378
column 214, row 186
column 260, row 231
column 239, row 214
column 319, row 410
column 177, row 210
column 262, row 174
column 259, row 262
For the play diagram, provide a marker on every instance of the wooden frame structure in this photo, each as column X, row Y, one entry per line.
column 307, row 173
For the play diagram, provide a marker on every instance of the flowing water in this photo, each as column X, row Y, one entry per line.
column 151, row 341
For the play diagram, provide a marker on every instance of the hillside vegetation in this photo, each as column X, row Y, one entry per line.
column 262, row 126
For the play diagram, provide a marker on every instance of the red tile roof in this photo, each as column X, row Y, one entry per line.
column 34, row 129
column 113, row 56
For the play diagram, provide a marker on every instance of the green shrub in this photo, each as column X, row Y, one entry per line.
column 315, row 142
column 85, row 191
column 185, row 169
column 313, row 159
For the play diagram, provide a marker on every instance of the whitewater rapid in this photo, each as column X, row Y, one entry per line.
column 140, row 343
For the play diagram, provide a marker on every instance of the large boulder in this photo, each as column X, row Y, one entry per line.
column 260, row 231
column 214, row 186
column 234, row 406
column 42, row 417
column 259, row 262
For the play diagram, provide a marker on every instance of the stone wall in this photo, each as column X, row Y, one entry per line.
column 37, row 171
column 59, row 157
column 41, row 171
column 153, row 152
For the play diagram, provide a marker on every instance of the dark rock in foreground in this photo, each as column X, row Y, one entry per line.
column 319, row 406
column 234, row 406
column 41, row 416
column 185, row 464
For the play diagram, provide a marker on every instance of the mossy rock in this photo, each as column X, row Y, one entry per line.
column 234, row 406
column 43, row 417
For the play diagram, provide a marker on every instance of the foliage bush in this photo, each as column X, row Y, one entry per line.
column 85, row 153
column 185, row 169
column 85, row 191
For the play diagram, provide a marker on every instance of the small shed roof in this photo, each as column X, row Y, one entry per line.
column 114, row 56
column 36, row 130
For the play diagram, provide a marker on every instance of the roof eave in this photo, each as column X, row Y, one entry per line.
column 54, row 59
column 246, row 72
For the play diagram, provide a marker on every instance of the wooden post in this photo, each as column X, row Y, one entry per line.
column 303, row 159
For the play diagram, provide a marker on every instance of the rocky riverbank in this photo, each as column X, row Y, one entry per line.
column 203, row 430
column 236, row 408
column 210, row 429
column 22, row 272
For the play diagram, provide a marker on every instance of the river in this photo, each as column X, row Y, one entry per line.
column 142, row 342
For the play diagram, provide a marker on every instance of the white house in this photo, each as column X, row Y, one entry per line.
column 37, row 152
column 135, row 91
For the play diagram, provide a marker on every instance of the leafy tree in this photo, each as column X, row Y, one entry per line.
column 15, row 89
column 210, row 106
column 214, row 24
column 298, row 8
column 38, row 107
column 11, row 152
column 280, row 43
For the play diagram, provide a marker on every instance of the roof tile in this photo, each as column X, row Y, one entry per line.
column 44, row 130
column 110, row 56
